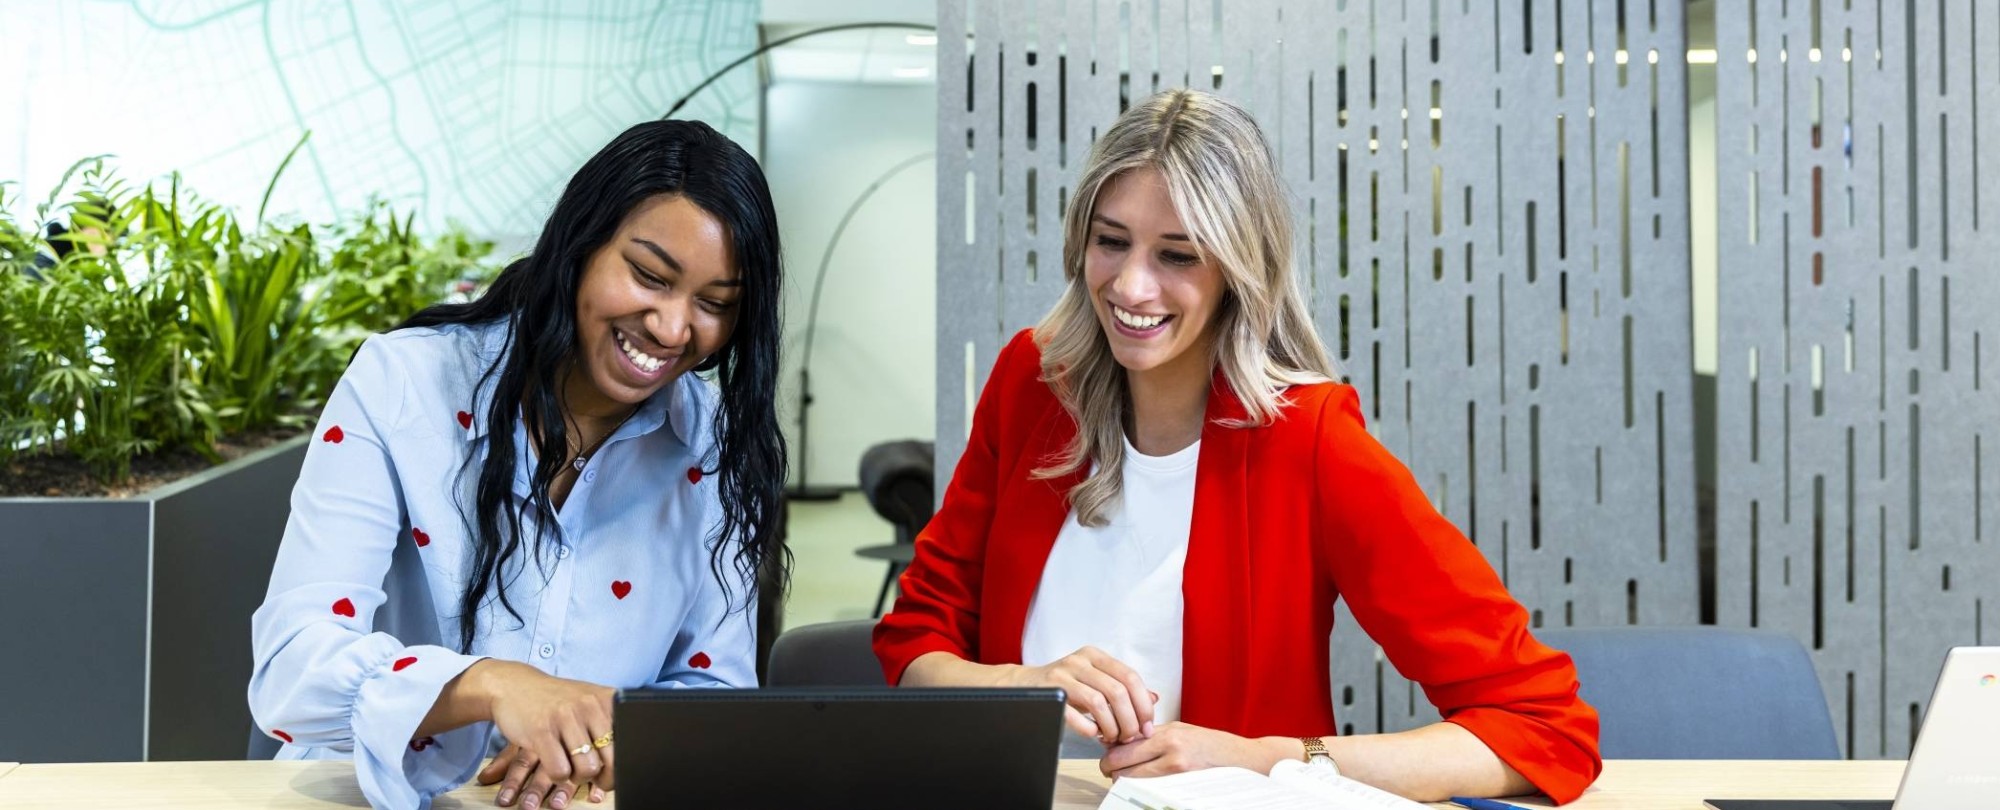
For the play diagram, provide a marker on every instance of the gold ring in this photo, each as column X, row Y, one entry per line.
column 580, row 750
column 601, row 741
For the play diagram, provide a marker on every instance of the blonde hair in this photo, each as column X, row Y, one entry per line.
column 1225, row 189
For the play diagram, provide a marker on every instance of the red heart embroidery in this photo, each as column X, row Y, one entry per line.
column 423, row 538
column 334, row 435
column 344, row 608
column 621, row 588
column 694, row 475
column 281, row 735
column 465, row 420
column 699, row 661
column 401, row 663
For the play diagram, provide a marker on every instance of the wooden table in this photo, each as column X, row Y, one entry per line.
column 1626, row 785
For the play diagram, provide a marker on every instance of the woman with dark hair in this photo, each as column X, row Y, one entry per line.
column 514, row 506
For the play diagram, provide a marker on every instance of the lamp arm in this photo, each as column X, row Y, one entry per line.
column 766, row 47
column 826, row 256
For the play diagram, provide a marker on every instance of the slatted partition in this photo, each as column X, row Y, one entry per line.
column 1858, row 402
column 1492, row 207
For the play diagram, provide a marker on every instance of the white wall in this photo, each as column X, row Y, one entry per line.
column 874, row 348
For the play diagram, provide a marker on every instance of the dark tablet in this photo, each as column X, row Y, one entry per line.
column 875, row 747
column 1800, row 804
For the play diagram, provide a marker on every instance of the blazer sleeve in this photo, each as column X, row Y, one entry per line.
column 322, row 677
column 1441, row 614
column 938, row 608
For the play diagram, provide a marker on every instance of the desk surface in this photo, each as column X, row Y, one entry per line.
column 1626, row 785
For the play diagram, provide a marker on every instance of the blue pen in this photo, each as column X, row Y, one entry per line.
column 1484, row 804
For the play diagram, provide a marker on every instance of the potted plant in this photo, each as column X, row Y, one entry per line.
column 159, row 360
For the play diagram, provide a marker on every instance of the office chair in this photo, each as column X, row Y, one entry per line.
column 829, row 654
column 1699, row 692
column 896, row 477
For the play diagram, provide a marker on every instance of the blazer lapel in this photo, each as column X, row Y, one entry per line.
column 1027, row 517
column 1215, row 585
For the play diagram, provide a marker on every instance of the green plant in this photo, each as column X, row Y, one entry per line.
column 168, row 323
column 17, row 260
column 381, row 272
column 97, row 335
column 252, row 312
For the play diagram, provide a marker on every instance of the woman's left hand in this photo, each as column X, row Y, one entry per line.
column 523, row 784
column 1177, row 747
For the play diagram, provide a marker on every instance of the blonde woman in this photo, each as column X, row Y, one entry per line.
column 1165, row 490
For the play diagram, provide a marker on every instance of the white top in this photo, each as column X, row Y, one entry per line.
column 359, row 630
column 1118, row 588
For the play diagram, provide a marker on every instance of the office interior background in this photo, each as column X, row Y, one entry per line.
column 1680, row 310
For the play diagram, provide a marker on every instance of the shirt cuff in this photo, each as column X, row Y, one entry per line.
column 394, row 769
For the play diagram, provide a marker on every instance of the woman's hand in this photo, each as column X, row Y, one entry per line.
column 530, row 785
column 555, row 722
column 1107, row 699
column 1177, row 747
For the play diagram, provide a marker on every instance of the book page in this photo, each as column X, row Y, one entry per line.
column 1210, row 789
column 1336, row 791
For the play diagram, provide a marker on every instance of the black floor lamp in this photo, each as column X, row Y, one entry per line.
column 805, row 492
column 781, row 41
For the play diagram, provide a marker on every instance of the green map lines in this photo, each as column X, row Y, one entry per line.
column 457, row 109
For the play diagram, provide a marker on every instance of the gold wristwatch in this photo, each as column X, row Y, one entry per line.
column 1316, row 754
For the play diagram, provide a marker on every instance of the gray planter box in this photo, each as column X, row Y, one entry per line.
column 128, row 620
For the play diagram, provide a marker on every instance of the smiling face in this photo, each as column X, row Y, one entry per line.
column 1154, row 295
column 654, row 302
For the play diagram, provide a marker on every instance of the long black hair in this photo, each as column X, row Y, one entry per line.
column 536, row 297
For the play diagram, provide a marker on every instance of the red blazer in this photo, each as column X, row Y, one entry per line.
column 1287, row 518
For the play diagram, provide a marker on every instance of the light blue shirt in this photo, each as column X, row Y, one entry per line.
column 358, row 632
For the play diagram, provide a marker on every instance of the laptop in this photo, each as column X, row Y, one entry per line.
column 1952, row 766
column 851, row 747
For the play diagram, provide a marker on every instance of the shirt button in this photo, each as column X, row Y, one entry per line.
column 548, row 650
column 590, row 476
column 562, row 552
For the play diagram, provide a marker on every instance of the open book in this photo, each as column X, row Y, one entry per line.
column 1291, row 785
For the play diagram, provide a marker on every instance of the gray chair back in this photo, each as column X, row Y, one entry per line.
column 829, row 654
column 1699, row 692
column 897, row 479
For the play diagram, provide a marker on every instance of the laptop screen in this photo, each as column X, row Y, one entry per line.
column 1952, row 766
column 868, row 747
